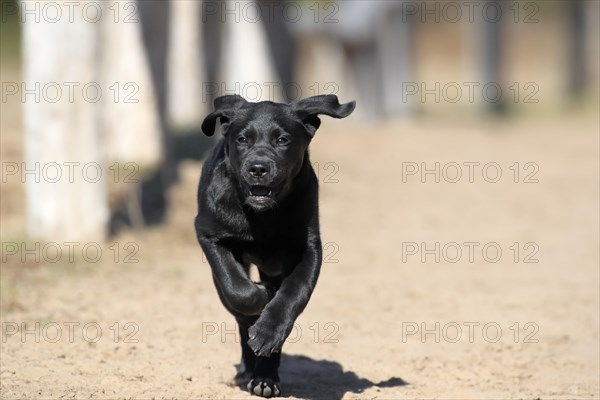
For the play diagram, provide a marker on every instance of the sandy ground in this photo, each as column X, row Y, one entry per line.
column 382, row 324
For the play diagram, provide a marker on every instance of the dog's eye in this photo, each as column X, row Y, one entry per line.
column 242, row 140
column 282, row 140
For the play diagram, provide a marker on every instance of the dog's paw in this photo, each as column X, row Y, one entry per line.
column 265, row 339
column 264, row 387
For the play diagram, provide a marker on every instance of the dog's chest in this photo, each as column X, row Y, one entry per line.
column 270, row 267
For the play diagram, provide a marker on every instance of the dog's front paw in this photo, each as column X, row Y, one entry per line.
column 265, row 338
column 264, row 387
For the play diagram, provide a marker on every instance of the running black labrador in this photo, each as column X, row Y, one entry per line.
column 258, row 204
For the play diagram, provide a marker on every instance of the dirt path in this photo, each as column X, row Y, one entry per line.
column 505, row 328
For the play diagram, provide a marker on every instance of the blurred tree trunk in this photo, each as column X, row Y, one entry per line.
column 63, row 131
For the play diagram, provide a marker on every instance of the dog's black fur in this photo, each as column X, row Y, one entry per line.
column 258, row 204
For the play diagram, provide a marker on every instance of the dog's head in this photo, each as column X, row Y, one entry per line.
column 266, row 142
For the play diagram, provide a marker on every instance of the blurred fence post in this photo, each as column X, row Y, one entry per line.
column 129, row 121
column 577, row 28
column 184, row 69
column 62, row 133
column 492, row 52
column 247, row 62
column 395, row 36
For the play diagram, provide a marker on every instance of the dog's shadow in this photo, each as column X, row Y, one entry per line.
column 310, row 379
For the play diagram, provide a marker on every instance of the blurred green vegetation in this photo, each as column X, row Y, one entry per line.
column 10, row 33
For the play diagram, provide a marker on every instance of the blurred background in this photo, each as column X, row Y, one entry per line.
column 101, row 146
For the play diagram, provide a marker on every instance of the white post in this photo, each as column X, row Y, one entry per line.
column 247, row 63
column 61, row 134
column 185, row 70
column 129, row 121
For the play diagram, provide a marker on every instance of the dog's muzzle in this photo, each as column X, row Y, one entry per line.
column 259, row 183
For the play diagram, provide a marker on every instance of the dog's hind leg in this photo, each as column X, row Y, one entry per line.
column 245, row 369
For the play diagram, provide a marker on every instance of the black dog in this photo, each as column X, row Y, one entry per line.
column 258, row 204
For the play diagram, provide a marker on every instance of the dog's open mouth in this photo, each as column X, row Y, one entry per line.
column 261, row 197
column 260, row 192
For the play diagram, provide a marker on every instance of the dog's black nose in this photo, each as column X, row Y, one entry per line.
column 258, row 170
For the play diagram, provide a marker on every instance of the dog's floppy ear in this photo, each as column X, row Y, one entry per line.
column 225, row 108
column 309, row 109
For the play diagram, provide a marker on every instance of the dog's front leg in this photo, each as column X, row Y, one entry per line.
column 238, row 293
column 277, row 319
